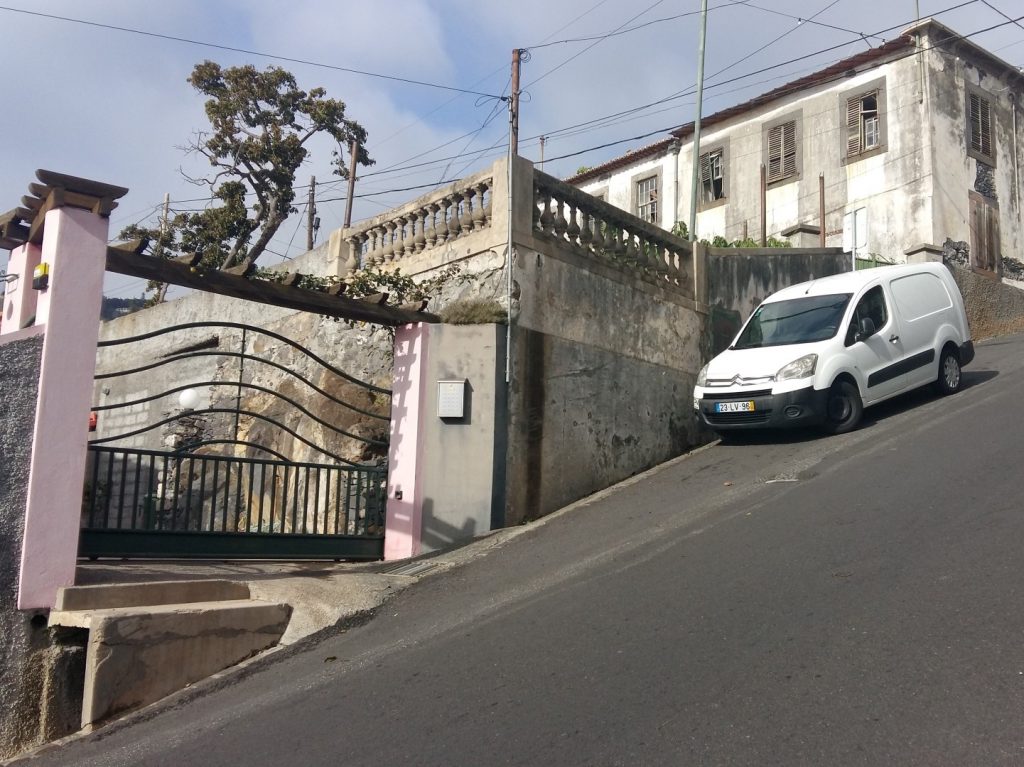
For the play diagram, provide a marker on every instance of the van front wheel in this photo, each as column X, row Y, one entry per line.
column 843, row 409
column 949, row 379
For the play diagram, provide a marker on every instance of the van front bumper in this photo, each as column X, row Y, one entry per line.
column 803, row 407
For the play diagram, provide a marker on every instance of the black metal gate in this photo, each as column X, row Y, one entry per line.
column 221, row 497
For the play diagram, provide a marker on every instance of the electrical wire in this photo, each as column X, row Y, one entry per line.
column 601, row 39
column 246, row 51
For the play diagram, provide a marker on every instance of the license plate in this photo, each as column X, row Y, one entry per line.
column 735, row 407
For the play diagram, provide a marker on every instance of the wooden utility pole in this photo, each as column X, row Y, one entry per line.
column 354, row 153
column 514, row 137
column 310, row 212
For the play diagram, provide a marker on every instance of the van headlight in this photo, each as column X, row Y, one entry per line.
column 702, row 376
column 799, row 368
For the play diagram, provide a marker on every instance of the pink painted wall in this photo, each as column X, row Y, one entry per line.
column 408, row 404
column 74, row 245
column 20, row 298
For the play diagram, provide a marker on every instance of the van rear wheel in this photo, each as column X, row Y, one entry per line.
column 950, row 379
column 843, row 409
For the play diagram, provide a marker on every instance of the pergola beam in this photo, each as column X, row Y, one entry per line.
column 123, row 261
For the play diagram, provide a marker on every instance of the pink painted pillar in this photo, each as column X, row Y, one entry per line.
column 20, row 299
column 74, row 246
column 408, row 405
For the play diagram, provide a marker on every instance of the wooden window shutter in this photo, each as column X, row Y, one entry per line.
column 789, row 149
column 980, row 124
column 853, row 126
column 986, row 126
column 775, row 153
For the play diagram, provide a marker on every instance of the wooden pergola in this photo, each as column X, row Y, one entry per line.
column 25, row 223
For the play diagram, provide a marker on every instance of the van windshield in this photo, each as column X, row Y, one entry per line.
column 796, row 321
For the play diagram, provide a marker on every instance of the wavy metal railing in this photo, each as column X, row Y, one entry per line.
column 189, row 502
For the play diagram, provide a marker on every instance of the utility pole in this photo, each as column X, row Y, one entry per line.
column 354, row 153
column 695, row 176
column 514, row 102
column 542, row 153
column 310, row 212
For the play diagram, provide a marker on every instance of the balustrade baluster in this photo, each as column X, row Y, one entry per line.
column 598, row 227
column 389, row 242
column 573, row 230
column 630, row 246
column 561, row 225
column 546, row 219
column 466, row 221
column 420, row 240
column 355, row 243
column 431, row 233
column 454, row 227
column 479, row 214
column 586, row 233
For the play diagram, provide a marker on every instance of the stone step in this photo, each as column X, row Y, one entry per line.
column 150, row 593
column 140, row 654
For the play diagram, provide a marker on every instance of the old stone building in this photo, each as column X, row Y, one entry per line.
column 915, row 143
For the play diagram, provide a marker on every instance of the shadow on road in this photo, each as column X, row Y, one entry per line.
column 872, row 415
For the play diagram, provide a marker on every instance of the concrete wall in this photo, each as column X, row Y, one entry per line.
column 38, row 677
column 993, row 309
column 740, row 279
column 603, row 364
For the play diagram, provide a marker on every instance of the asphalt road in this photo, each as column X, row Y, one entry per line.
column 793, row 600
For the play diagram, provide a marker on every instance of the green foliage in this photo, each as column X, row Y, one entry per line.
column 583, row 169
column 260, row 123
column 474, row 311
column 679, row 229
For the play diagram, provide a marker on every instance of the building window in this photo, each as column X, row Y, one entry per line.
column 647, row 199
column 712, row 176
column 864, row 114
column 862, row 129
column 781, row 152
column 980, row 144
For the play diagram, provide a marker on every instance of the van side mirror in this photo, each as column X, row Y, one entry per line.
column 867, row 329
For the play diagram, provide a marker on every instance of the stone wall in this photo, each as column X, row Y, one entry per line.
column 739, row 279
column 39, row 676
column 993, row 308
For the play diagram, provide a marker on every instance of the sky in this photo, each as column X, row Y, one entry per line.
column 99, row 89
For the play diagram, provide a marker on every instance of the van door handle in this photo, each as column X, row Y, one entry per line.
column 893, row 338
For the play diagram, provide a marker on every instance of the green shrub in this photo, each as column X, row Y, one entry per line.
column 475, row 311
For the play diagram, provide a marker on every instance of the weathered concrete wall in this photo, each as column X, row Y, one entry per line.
column 993, row 309
column 740, row 279
column 603, row 369
column 33, row 667
column 463, row 459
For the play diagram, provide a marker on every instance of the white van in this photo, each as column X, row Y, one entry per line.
column 821, row 351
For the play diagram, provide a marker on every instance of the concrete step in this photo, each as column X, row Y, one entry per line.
column 108, row 595
column 139, row 654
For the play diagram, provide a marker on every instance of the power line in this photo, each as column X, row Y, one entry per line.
column 551, row 71
column 248, row 52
